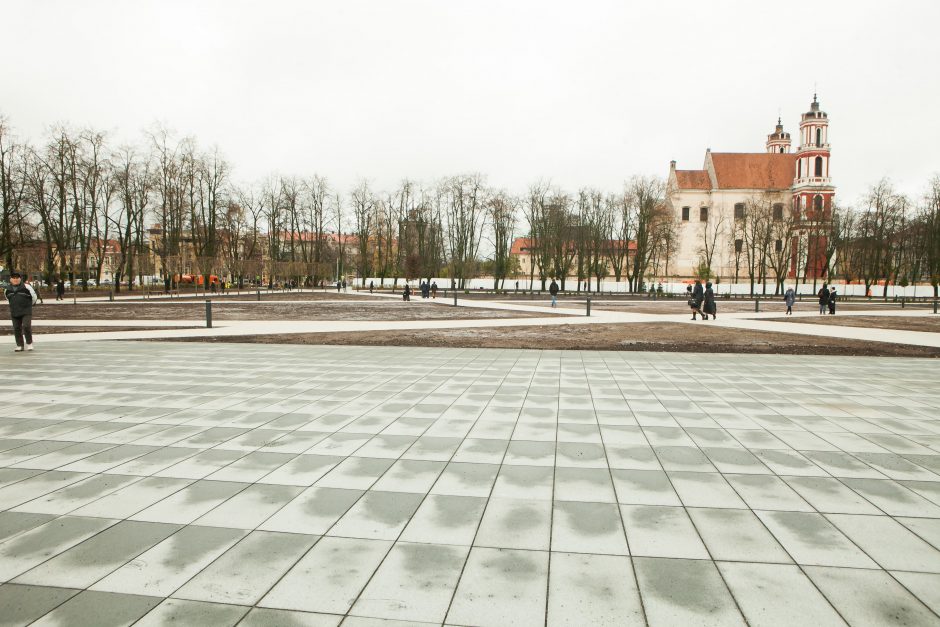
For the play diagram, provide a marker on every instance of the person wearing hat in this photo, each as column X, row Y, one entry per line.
column 21, row 298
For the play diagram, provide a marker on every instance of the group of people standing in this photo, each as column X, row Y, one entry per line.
column 827, row 300
column 702, row 300
column 428, row 290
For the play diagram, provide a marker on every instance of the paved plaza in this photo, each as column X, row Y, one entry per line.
column 218, row 484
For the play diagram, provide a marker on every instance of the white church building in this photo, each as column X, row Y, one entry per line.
column 706, row 202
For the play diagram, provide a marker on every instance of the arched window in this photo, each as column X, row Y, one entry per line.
column 818, row 136
column 799, row 168
column 817, row 203
column 781, row 149
column 819, row 166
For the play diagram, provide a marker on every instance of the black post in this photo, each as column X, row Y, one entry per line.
column 208, row 314
column 757, row 305
column 589, row 306
column 935, row 306
column 902, row 302
column 455, row 298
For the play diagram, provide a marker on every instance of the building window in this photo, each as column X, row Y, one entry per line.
column 703, row 214
column 819, row 166
column 781, row 149
column 739, row 211
column 799, row 168
column 819, row 137
column 778, row 245
column 685, row 214
column 818, row 202
column 778, row 212
column 738, row 245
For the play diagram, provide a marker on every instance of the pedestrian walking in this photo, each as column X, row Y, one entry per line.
column 339, row 285
column 789, row 298
column 60, row 289
column 21, row 298
column 823, row 295
column 553, row 290
column 345, row 286
column 832, row 302
column 710, row 306
column 371, row 286
column 406, row 293
column 433, row 289
column 696, row 296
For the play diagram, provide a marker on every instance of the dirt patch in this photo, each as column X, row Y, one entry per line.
column 43, row 330
column 383, row 309
column 659, row 336
column 900, row 323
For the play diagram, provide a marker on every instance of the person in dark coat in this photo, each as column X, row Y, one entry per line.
column 59, row 290
column 695, row 302
column 823, row 295
column 832, row 302
column 553, row 290
column 21, row 298
column 710, row 306
column 406, row 293
column 371, row 286
column 789, row 298
column 433, row 289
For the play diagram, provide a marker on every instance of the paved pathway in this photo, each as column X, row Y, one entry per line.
column 206, row 484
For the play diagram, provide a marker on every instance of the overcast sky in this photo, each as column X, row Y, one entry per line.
column 585, row 93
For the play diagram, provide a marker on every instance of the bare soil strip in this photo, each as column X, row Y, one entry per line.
column 383, row 309
column 657, row 336
column 900, row 323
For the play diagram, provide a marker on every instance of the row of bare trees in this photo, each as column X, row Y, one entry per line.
column 75, row 205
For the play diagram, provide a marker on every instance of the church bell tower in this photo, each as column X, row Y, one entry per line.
column 778, row 141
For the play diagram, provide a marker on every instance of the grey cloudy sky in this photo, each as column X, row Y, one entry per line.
column 584, row 93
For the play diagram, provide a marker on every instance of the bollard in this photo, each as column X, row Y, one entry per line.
column 935, row 306
column 455, row 298
column 902, row 303
column 589, row 306
column 208, row 314
column 259, row 293
column 757, row 305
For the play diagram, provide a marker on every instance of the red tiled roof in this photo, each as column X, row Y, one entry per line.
column 693, row 179
column 754, row 170
column 520, row 245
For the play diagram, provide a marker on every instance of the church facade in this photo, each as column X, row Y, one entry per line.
column 709, row 204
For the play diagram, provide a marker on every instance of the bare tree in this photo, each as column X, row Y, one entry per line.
column 13, row 179
column 501, row 215
column 463, row 199
column 930, row 220
column 363, row 208
column 713, row 234
column 646, row 196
